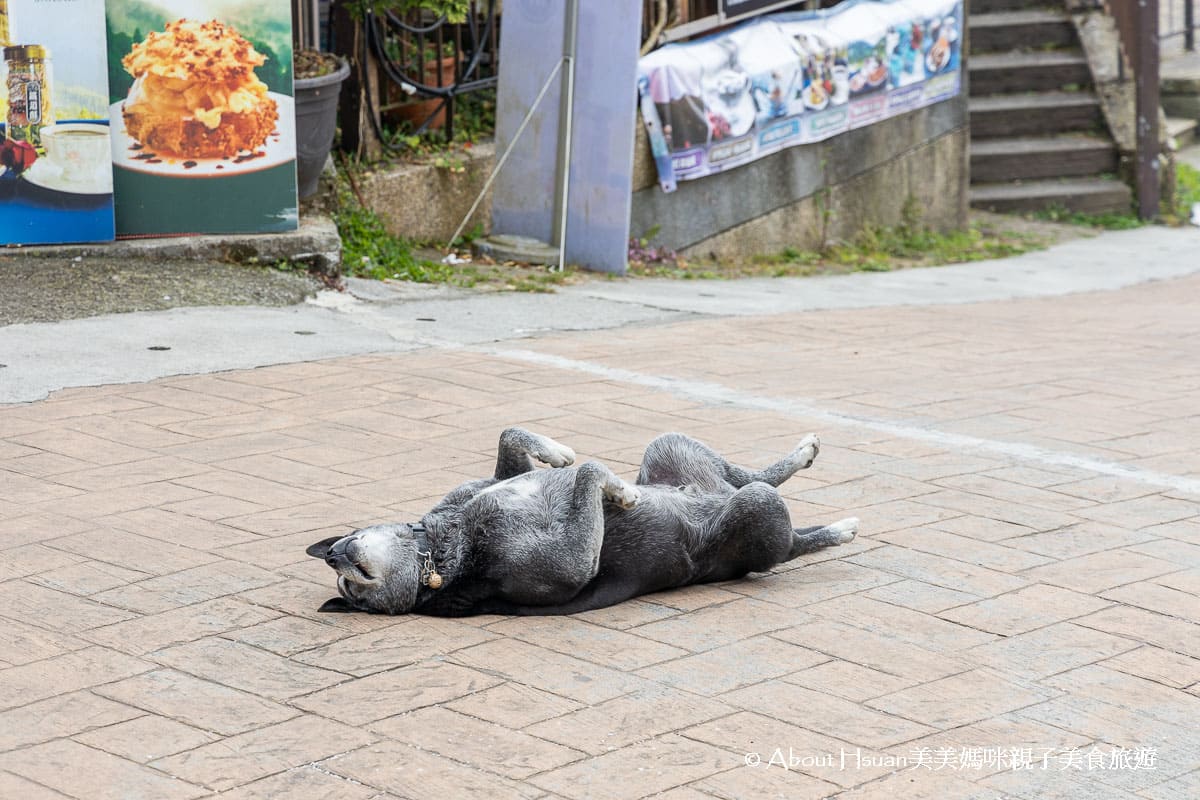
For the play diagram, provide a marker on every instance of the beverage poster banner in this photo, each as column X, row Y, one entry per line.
column 55, row 157
column 794, row 78
column 202, row 116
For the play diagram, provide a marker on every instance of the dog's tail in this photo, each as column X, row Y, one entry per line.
column 807, row 540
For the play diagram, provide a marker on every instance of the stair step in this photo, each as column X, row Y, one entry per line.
column 1007, row 73
column 1085, row 196
column 1034, row 157
column 1032, row 114
column 1183, row 131
column 1023, row 29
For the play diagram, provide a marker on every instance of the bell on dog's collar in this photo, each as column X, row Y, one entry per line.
column 429, row 573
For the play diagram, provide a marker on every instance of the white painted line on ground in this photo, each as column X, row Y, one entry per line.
column 715, row 393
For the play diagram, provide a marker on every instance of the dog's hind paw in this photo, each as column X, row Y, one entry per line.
column 623, row 494
column 844, row 530
column 556, row 455
column 806, row 451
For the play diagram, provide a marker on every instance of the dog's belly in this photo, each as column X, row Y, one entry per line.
column 657, row 542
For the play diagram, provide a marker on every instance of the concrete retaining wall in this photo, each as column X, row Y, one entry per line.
column 801, row 197
column 809, row 195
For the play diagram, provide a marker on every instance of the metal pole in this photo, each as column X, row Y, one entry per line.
column 566, row 115
column 1189, row 25
column 1146, row 75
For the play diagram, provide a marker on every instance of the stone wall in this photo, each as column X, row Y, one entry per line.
column 813, row 194
column 801, row 197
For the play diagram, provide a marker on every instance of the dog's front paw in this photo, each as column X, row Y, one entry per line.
column 623, row 494
column 556, row 455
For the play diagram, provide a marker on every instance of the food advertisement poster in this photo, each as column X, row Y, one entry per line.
column 794, row 78
column 55, row 157
column 201, row 110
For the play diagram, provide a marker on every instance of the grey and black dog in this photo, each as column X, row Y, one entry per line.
column 560, row 541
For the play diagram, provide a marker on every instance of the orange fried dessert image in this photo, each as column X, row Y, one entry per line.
column 195, row 93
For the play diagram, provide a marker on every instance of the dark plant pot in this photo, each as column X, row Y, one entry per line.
column 401, row 108
column 316, row 123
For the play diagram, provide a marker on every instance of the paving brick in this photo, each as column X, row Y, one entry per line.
column 1079, row 540
column 239, row 759
column 513, row 705
column 286, row 636
column 802, row 581
column 960, row 699
column 543, row 669
column 146, row 738
column 1130, row 692
column 1099, row 571
column 639, row 770
column 1162, row 599
column 990, row 737
column 829, row 759
column 187, row 587
column 638, row 716
column 982, row 528
column 133, row 552
column 415, row 639
column 142, row 635
column 85, row 578
column 847, row 680
column 912, row 626
column 34, row 559
column 199, row 703
column 1159, row 665
column 384, row 694
column 923, row 785
column 409, row 772
column 1142, row 512
column 81, row 771
column 1025, row 609
column 59, row 716
column 69, row 672
column 918, row 596
column 303, row 783
column 825, row 714
column 962, row 548
column 876, row 650
column 180, row 529
column 483, row 745
column 15, row 786
column 730, row 667
column 945, row 572
column 714, row 626
column 21, row 643
column 247, row 668
column 1050, row 650
column 612, row 648
column 1180, row 636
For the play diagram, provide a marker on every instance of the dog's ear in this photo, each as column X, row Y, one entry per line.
column 335, row 605
column 321, row 548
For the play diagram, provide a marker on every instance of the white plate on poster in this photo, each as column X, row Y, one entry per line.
column 280, row 148
column 47, row 175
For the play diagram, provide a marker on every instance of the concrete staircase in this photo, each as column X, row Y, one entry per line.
column 1038, row 138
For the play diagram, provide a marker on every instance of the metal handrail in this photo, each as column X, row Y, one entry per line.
column 1188, row 31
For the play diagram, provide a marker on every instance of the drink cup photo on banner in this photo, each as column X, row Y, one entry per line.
column 56, row 181
column 202, row 116
column 792, row 78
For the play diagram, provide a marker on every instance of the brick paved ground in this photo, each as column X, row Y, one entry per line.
column 160, row 638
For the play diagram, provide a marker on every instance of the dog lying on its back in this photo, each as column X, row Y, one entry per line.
column 560, row 541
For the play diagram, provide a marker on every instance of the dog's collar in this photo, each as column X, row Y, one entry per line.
column 429, row 574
